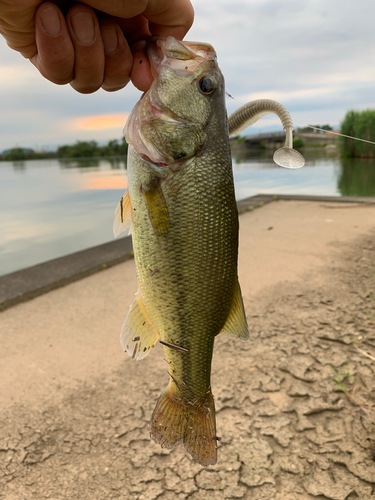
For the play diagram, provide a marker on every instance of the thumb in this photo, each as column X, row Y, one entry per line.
column 169, row 17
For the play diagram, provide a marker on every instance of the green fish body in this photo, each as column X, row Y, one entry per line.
column 181, row 206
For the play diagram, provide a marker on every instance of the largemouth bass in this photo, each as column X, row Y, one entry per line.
column 181, row 206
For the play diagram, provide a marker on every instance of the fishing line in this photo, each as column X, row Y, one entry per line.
column 335, row 133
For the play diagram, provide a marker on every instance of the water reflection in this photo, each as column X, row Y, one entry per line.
column 79, row 163
column 243, row 154
column 357, row 177
column 19, row 166
column 117, row 162
column 114, row 163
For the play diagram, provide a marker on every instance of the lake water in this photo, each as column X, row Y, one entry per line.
column 50, row 208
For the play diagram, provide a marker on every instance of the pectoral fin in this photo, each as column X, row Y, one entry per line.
column 236, row 321
column 156, row 206
column 138, row 334
column 123, row 215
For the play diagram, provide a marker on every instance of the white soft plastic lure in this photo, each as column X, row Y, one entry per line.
column 250, row 113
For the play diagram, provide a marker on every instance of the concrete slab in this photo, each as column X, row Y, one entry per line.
column 36, row 280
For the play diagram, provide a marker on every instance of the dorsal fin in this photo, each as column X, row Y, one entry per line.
column 236, row 321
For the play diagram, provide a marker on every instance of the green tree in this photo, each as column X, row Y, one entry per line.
column 115, row 148
column 298, row 143
column 15, row 154
column 89, row 149
column 358, row 124
column 81, row 149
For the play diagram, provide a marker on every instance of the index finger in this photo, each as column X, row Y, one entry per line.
column 168, row 17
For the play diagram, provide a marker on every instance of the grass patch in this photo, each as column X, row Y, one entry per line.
column 356, row 392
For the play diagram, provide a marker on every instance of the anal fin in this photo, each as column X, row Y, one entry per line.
column 236, row 321
column 123, row 215
column 138, row 334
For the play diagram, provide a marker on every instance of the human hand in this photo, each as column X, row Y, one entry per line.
column 92, row 48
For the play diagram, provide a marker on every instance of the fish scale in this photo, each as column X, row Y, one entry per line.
column 189, row 269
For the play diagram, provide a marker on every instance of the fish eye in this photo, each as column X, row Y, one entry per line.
column 206, row 85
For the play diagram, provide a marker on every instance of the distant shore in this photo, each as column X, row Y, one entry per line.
column 81, row 149
column 237, row 148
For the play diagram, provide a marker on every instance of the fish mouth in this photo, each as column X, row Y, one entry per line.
column 145, row 111
column 185, row 59
column 157, row 164
column 171, row 51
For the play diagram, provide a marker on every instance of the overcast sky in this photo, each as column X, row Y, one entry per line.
column 314, row 56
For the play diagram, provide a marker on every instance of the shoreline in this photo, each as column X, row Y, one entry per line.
column 26, row 284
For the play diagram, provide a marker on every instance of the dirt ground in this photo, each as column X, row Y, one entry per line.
column 295, row 403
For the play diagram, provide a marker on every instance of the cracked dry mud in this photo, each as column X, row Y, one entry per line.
column 288, row 430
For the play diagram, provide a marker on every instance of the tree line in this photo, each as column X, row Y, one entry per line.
column 81, row 149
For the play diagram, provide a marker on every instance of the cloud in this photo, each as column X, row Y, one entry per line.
column 105, row 182
column 100, row 122
column 12, row 77
column 290, row 46
column 286, row 95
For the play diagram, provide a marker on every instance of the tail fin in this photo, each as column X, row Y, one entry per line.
column 176, row 421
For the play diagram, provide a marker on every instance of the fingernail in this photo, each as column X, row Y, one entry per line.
column 84, row 28
column 51, row 21
column 110, row 40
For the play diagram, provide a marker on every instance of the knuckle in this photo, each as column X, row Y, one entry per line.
column 112, row 83
column 87, row 88
column 59, row 76
column 60, row 80
column 113, row 88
